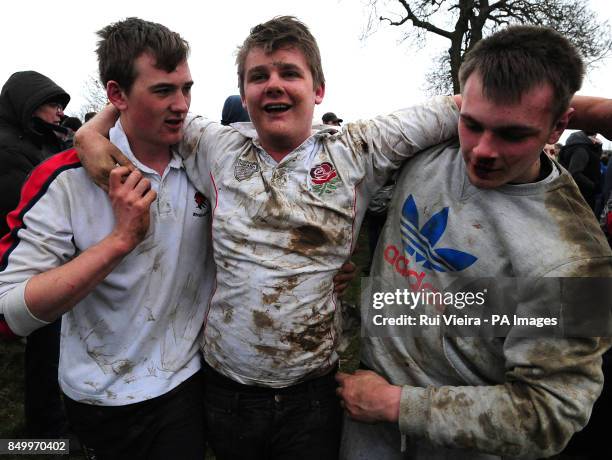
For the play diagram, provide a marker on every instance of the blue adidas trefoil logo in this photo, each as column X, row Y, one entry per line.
column 422, row 240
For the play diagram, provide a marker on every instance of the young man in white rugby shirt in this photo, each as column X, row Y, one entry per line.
column 131, row 271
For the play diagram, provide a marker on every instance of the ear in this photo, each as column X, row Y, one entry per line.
column 319, row 93
column 560, row 126
column 116, row 95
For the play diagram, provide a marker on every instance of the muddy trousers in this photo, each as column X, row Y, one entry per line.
column 169, row 426
column 254, row 423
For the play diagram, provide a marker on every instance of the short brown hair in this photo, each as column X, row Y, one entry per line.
column 519, row 58
column 124, row 41
column 282, row 32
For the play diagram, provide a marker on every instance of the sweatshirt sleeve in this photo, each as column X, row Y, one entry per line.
column 549, row 388
column 40, row 239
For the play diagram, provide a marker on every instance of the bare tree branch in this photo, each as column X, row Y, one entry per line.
column 465, row 22
column 95, row 97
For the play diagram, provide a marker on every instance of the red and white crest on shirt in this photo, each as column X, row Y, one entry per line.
column 324, row 178
column 202, row 204
column 200, row 200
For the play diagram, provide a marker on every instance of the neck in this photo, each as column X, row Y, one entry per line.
column 154, row 156
column 278, row 150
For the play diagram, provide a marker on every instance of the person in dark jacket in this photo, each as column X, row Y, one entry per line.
column 233, row 111
column 31, row 108
column 580, row 156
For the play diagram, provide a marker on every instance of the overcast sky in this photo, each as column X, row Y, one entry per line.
column 364, row 77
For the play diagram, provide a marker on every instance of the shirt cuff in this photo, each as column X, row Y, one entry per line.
column 16, row 313
column 414, row 408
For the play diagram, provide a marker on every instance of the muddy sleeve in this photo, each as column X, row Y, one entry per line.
column 387, row 141
column 196, row 150
column 547, row 395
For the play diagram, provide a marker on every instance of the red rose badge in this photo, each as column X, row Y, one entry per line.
column 324, row 178
column 199, row 200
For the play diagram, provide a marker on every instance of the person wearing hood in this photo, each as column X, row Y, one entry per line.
column 31, row 108
column 580, row 156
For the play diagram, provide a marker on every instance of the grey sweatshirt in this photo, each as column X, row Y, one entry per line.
column 510, row 396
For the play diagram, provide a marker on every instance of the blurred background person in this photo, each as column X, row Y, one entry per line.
column 89, row 116
column 31, row 109
column 331, row 119
column 70, row 124
column 580, row 156
column 233, row 111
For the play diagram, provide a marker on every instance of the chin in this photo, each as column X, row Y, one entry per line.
column 174, row 138
column 478, row 182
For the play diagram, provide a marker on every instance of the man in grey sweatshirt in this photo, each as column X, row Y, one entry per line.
column 491, row 206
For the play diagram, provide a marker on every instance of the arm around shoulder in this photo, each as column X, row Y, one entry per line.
column 592, row 114
column 98, row 155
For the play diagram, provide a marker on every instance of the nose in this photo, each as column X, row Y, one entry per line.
column 181, row 102
column 274, row 85
column 486, row 147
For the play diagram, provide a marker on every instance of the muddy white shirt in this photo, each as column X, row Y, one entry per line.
column 282, row 230
column 135, row 336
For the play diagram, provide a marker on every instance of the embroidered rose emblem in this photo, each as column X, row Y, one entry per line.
column 324, row 178
column 322, row 173
column 199, row 200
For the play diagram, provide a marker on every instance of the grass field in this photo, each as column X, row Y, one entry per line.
column 12, row 423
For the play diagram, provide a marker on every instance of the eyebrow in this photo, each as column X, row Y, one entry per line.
column 279, row 64
column 523, row 129
column 170, row 85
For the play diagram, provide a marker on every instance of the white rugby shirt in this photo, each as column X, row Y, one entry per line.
column 135, row 336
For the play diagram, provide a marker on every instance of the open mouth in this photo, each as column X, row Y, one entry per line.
column 174, row 122
column 276, row 108
column 483, row 170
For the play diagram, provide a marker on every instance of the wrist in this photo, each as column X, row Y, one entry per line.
column 118, row 244
column 393, row 396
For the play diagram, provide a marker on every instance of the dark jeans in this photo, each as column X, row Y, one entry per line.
column 376, row 222
column 592, row 441
column 253, row 423
column 44, row 410
column 167, row 427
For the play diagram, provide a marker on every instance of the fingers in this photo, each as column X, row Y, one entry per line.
column 341, row 377
column 122, row 181
column 348, row 267
column 149, row 197
column 343, row 277
column 122, row 160
column 132, row 178
column 116, row 177
column 340, row 288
